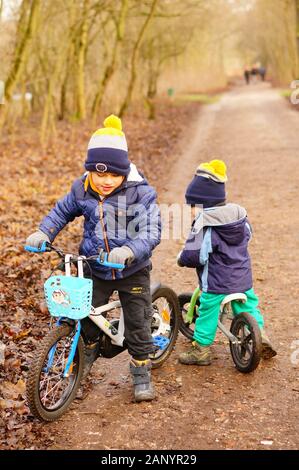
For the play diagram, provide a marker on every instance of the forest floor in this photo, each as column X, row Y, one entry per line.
column 255, row 131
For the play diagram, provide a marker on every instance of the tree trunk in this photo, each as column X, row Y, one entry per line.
column 110, row 67
column 70, row 53
column 48, row 125
column 81, row 56
column 134, row 57
column 152, row 93
column 21, row 54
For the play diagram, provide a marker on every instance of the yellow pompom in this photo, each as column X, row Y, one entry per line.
column 215, row 168
column 114, row 122
column 219, row 167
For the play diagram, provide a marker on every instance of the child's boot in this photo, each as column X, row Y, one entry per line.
column 198, row 355
column 91, row 354
column 268, row 350
column 141, row 374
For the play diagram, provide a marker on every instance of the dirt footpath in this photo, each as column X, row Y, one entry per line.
column 256, row 133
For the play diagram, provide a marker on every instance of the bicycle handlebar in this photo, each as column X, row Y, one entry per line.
column 33, row 249
column 101, row 258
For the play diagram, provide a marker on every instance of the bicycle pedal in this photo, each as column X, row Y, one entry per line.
column 161, row 342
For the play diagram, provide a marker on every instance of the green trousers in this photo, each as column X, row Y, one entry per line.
column 206, row 323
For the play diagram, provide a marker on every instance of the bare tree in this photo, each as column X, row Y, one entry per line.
column 77, row 57
column 26, row 29
column 156, row 51
column 119, row 20
column 134, row 58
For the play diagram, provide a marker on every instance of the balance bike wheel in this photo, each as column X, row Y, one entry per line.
column 246, row 353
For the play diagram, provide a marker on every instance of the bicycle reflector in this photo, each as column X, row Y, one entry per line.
column 68, row 296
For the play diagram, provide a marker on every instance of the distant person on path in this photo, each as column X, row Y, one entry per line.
column 217, row 248
column 262, row 72
column 254, row 73
column 247, row 75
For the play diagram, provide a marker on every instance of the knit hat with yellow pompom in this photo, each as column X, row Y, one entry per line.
column 108, row 150
column 207, row 187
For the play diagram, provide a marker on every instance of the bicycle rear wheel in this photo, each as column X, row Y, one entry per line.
column 165, row 324
column 49, row 393
column 247, row 352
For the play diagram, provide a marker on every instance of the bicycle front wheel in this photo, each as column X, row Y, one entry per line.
column 49, row 393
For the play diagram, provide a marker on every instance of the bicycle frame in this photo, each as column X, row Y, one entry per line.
column 195, row 295
column 115, row 334
column 223, row 310
column 96, row 315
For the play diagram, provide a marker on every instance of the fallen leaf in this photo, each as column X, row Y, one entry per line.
column 23, row 334
column 10, row 390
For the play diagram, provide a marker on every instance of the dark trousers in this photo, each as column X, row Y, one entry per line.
column 136, row 302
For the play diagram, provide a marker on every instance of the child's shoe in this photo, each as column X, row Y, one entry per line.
column 268, row 350
column 91, row 354
column 197, row 355
column 141, row 374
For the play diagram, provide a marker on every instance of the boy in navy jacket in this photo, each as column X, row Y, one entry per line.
column 218, row 248
column 122, row 218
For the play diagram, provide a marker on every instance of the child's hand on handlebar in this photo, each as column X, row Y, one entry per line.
column 36, row 239
column 122, row 255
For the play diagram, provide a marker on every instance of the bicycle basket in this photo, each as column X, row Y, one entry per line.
column 68, row 296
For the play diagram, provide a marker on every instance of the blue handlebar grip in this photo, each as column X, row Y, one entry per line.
column 33, row 249
column 106, row 263
column 114, row 265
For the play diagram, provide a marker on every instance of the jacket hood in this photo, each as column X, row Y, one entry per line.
column 232, row 233
column 229, row 221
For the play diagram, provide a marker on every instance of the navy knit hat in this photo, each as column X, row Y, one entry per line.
column 108, row 150
column 208, row 185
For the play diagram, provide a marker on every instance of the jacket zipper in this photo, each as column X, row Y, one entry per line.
column 104, row 233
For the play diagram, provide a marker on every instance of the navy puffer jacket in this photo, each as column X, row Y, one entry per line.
column 218, row 248
column 129, row 216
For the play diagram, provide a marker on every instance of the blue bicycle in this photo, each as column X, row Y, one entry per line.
column 55, row 373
